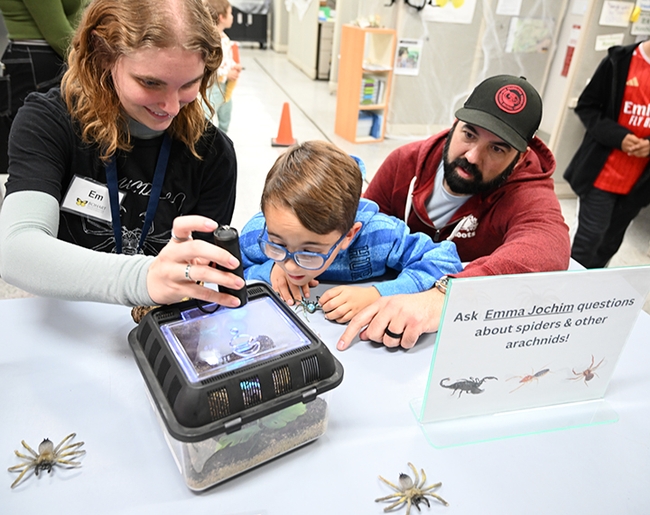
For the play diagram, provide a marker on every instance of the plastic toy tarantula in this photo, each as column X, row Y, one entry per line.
column 47, row 457
column 308, row 306
column 411, row 492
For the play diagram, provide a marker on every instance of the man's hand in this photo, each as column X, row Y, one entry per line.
column 406, row 316
column 341, row 303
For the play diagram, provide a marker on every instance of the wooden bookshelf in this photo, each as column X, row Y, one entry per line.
column 364, row 81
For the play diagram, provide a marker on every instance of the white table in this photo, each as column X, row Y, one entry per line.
column 67, row 367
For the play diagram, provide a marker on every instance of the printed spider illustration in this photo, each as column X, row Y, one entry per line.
column 130, row 238
column 588, row 373
column 47, row 457
column 411, row 492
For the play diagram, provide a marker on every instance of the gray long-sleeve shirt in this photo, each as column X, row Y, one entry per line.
column 33, row 259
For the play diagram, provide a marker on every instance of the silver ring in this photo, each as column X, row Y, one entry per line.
column 390, row 333
column 187, row 273
column 179, row 240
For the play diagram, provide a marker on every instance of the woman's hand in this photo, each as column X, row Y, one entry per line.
column 184, row 262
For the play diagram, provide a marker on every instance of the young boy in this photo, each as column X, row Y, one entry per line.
column 228, row 73
column 315, row 225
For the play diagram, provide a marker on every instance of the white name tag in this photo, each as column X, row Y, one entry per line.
column 89, row 198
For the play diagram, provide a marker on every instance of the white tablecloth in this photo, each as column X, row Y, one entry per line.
column 67, row 367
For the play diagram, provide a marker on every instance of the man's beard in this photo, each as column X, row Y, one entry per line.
column 462, row 186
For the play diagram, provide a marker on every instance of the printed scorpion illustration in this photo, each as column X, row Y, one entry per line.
column 471, row 385
column 529, row 378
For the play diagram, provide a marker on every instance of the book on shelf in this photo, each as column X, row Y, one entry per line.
column 369, row 124
column 373, row 89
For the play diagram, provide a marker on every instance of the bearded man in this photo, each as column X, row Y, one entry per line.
column 486, row 184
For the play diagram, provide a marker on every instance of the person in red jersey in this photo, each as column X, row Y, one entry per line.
column 609, row 172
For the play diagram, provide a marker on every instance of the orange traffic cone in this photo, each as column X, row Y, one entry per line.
column 235, row 52
column 285, row 137
column 230, row 85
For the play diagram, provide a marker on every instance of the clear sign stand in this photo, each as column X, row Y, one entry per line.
column 525, row 354
column 508, row 424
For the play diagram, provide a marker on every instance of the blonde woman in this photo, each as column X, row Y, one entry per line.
column 116, row 179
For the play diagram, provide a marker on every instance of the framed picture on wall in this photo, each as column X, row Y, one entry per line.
column 407, row 58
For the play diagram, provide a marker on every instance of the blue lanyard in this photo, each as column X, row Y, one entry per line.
column 152, row 206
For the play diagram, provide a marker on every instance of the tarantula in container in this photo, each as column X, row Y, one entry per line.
column 48, row 456
column 411, row 491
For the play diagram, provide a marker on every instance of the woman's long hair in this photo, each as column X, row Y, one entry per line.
column 112, row 28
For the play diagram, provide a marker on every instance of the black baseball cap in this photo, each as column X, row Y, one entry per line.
column 507, row 106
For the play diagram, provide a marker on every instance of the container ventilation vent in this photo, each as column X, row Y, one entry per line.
column 218, row 403
column 163, row 369
column 174, row 389
column 281, row 380
column 251, row 391
column 255, row 290
column 144, row 335
column 310, row 369
column 153, row 352
column 164, row 316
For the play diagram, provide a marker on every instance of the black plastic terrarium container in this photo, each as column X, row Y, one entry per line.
column 234, row 388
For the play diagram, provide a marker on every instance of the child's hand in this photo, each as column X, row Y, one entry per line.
column 289, row 292
column 341, row 303
column 233, row 73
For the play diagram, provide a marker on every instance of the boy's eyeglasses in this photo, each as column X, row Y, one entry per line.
column 302, row 258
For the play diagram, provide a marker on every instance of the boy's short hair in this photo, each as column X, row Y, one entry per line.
column 217, row 8
column 319, row 183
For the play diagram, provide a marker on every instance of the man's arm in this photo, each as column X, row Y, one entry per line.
column 390, row 184
column 592, row 107
column 381, row 188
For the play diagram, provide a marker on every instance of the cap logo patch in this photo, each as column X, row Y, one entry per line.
column 510, row 99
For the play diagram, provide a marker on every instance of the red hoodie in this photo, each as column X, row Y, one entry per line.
column 513, row 229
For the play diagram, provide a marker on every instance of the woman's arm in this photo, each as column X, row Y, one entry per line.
column 52, row 22
column 32, row 258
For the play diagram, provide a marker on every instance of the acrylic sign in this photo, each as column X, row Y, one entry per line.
column 521, row 341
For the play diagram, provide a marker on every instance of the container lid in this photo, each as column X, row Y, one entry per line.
column 212, row 369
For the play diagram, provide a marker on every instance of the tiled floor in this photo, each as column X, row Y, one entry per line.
column 268, row 81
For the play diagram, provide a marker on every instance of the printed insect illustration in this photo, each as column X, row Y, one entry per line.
column 471, row 385
column 48, row 456
column 529, row 378
column 130, row 238
column 308, row 306
column 588, row 373
column 411, row 492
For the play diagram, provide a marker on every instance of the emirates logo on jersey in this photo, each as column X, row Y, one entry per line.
column 510, row 99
